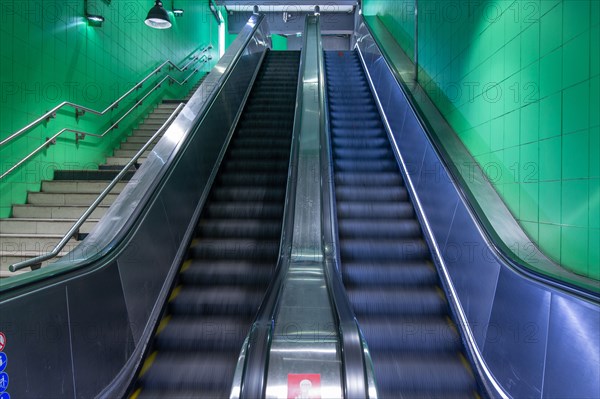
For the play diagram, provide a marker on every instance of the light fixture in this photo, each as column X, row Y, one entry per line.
column 158, row 18
column 93, row 19
column 178, row 12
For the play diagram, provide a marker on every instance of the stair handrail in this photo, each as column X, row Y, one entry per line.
column 80, row 109
column 36, row 262
column 80, row 135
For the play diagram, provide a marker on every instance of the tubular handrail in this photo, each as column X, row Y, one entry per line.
column 75, row 228
column 80, row 135
column 80, row 109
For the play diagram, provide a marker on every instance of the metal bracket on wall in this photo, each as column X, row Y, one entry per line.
column 51, row 116
column 50, row 142
column 79, row 137
column 79, row 112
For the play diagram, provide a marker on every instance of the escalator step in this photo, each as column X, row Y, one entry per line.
column 404, row 250
column 222, row 272
column 178, row 371
column 380, row 209
column 188, row 333
column 384, row 229
column 234, row 249
column 359, row 193
column 415, row 335
column 397, row 302
column 367, row 179
column 238, row 210
column 249, row 193
column 435, row 376
column 391, row 273
column 228, row 300
column 240, row 228
column 242, row 178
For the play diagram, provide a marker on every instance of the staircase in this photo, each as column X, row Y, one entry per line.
column 37, row 226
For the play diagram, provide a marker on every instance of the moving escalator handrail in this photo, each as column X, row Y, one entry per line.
column 547, row 272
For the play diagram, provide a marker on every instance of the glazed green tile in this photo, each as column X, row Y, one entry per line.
column 531, row 229
column 594, row 203
column 528, row 202
column 530, row 123
column 512, row 165
column 575, row 203
column 550, row 154
column 575, row 249
column 529, row 163
column 512, row 198
column 575, row 19
column 576, row 108
column 550, row 116
column 594, row 156
column 594, row 254
column 551, row 73
column 551, row 30
column 497, row 134
column 576, row 60
column 550, row 237
column 595, row 101
column 530, row 44
column 512, row 127
column 575, row 159
column 550, row 195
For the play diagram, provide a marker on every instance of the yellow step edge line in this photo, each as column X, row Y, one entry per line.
column 136, row 393
column 186, row 265
column 163, row 324
column 466, row 364
column 175, row 292
column 147, row 363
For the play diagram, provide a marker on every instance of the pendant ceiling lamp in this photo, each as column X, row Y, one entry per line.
column 158, row 18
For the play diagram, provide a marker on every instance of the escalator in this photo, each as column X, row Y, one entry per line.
column 386, row 264
column 231, row 260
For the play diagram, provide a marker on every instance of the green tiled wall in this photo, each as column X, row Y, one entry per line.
column 519, row 81
column 49, row 54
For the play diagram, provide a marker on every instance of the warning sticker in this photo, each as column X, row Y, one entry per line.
column 2, row 341
column 304, row 386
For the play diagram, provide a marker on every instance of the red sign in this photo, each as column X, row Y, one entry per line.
column 304, row 386
column 2, row 341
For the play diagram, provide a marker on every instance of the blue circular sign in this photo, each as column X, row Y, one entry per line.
column 3, row 382
column 3, row 360
column 5, row 395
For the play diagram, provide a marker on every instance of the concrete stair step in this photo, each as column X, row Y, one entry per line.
column 121, row 161
column 120, row 153
column 140, row 140
column 79, row 186
column 56, row 211
column 27, row 226
column 156, row 118
column 38, row 244
column 41, row 198
column 127, row 146
column 99, row 175
column 145, row 132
